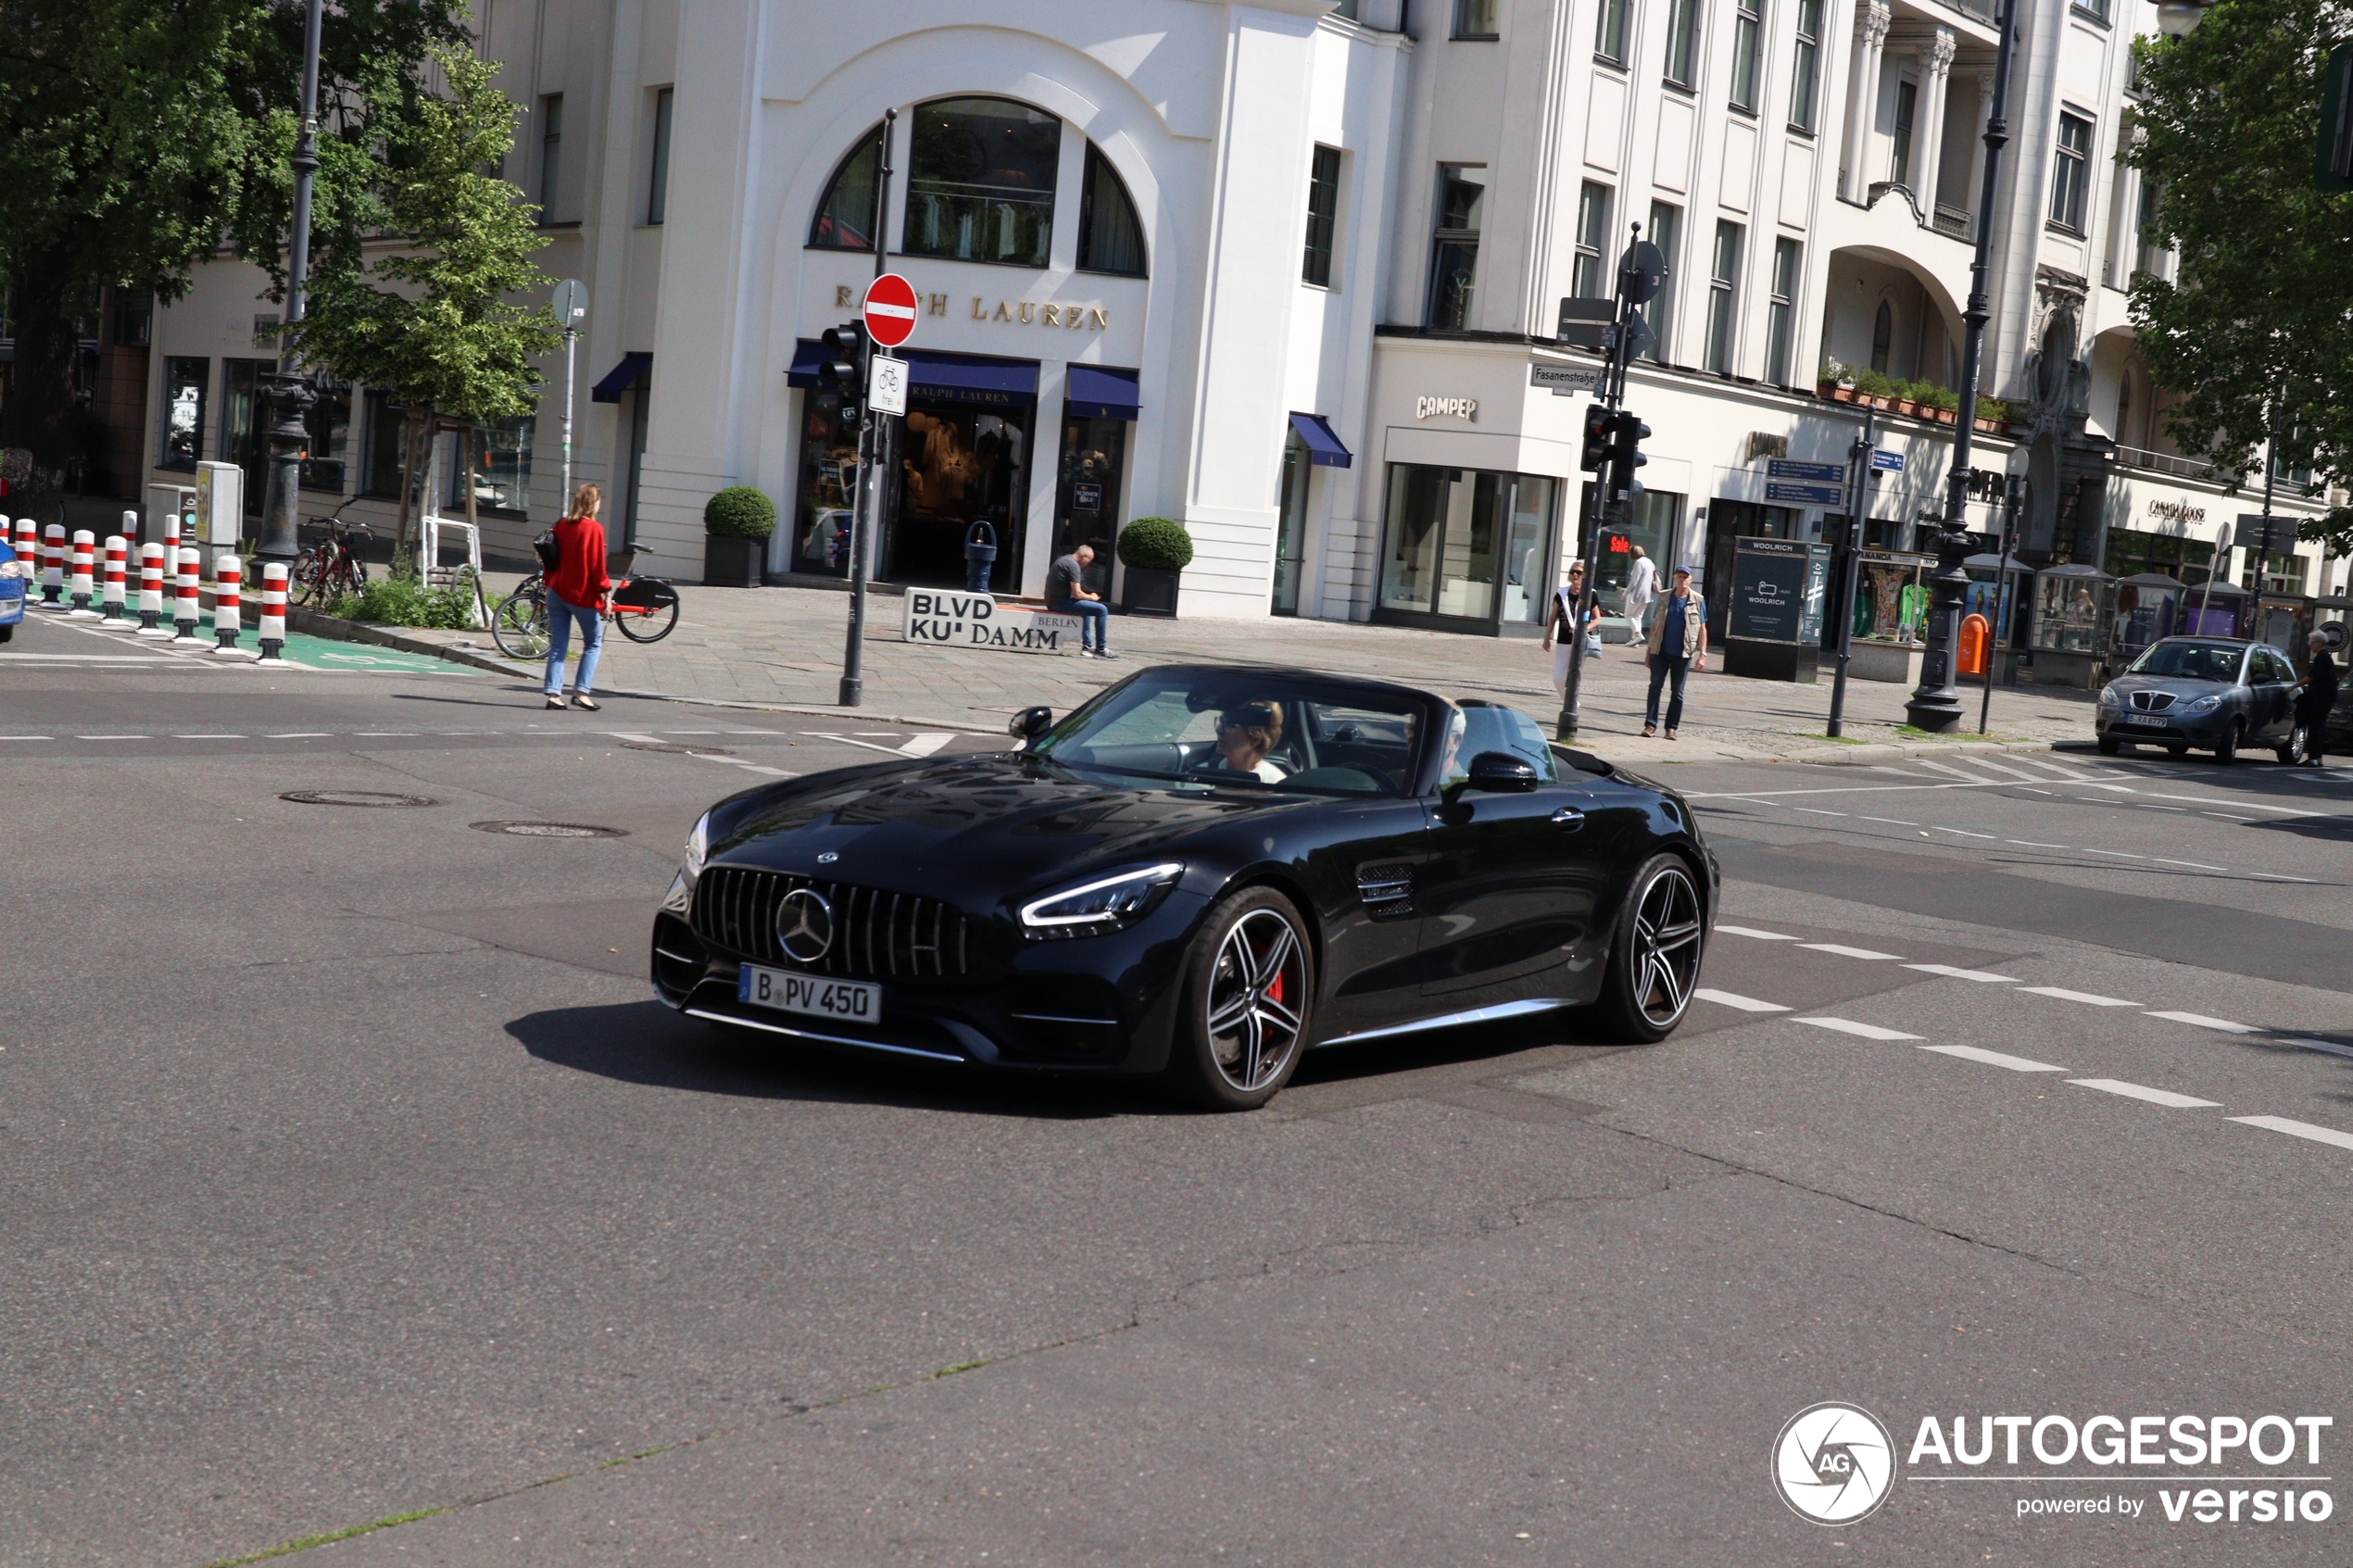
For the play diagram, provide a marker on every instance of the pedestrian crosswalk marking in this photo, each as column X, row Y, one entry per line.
column 2142, row 1091
column 1868, row 1031
column 1731, row 999
column 1994, row 1058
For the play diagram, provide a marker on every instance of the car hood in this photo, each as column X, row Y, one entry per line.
column 996, row 824
column 2181, row 687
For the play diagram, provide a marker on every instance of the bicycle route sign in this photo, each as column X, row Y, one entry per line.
column 940, row 618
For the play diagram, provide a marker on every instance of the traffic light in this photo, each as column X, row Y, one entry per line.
column 1597, row 422
column 1627, row 433
column 844, row 359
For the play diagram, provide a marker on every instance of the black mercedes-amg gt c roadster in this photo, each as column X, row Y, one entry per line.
column 1202, row 872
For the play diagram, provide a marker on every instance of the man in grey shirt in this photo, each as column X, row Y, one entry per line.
column 1066, row 594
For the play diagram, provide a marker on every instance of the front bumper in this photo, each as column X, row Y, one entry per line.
column 1097, row 1004
column 2204, row 729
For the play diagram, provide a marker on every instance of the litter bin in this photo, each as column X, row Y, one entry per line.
column 980, row 556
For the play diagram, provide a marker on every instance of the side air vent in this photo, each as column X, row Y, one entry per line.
column 1387, row 889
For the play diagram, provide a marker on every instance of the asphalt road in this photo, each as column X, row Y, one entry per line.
column 352, row 1173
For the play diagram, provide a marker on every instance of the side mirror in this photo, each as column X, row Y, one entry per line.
column 1030, row 723
column 1497, row 772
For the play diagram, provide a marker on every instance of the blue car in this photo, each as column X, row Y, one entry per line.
column 2216, row 694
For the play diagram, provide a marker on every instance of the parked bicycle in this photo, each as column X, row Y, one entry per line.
column 644, row 609
column 335, row 566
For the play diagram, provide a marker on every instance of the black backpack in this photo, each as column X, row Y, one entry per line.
column 550, row 555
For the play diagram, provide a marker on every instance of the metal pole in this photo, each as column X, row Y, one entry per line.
column 1610, row 394
column 564, row 500
column 2012, row 487
column 1850, row 565
column 2270, row 473
column 288, row 390
column 862, row 513
column 1935, row 704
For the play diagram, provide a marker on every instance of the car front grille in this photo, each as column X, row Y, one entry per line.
column 2152, row 702
column 876, row 936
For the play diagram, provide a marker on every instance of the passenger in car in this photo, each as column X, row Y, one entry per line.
column 1245, row 735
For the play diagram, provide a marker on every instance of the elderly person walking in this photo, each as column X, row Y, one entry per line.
column 577, row 587
column 1677, row 645
column 1642, row 586
column 2315, row 695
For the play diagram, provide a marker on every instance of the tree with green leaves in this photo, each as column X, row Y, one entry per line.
column 2263, row 314
column 418, row 291
column 137, row 135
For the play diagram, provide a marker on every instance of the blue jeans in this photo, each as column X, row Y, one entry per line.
column 1093, row 616
column 1662, row 667
column 560, row 615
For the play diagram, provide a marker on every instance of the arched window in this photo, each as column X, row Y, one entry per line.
column 1110, row 237
column 980, row 182
column 845, row 218
column 1882, row 333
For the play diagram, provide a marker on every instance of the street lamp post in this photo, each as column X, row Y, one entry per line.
column 1935, row 703
column 1850, row 566
column 291, row 391
column 2013, row 495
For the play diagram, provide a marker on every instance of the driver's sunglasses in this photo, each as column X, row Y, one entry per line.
column 1247, row 719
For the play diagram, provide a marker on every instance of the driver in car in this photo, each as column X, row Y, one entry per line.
column 1245, row 735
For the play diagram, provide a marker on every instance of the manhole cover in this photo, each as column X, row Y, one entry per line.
column 550, row 829
column 354, row 798
column 674, row 749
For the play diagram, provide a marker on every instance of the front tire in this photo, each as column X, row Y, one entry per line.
column 1655, row 966
column 2226, row 750
column 1249, row 990
column 2288, row 750
column 2110, row 745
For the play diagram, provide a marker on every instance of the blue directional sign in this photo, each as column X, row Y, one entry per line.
column 1806, row 494
column 1885, row 461
column 1782, row 467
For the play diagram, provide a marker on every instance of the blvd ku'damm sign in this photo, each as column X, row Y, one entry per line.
column 941, row 619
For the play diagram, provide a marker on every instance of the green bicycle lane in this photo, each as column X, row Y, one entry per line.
column 303, row 651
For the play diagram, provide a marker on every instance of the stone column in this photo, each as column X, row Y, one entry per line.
column 1936, row 70
column 1862, row 96
column 1985, row 75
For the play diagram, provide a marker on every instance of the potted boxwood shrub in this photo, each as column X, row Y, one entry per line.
column 1155, row 550
column 738, row 522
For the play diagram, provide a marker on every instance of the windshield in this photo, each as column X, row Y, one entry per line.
column 1216, row 729
column 2191, row 661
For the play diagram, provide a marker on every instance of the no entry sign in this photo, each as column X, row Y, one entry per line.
column 890, row 310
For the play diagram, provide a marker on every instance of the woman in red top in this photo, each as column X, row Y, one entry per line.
column 576, row 591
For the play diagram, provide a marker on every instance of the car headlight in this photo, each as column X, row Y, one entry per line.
column 681, row 897
column 2111, row 698
column 1096, row 907
column 2203, row 705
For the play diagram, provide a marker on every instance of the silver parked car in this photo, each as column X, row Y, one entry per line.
column 2215, row 692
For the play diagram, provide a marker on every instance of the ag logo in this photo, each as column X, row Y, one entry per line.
column 804, row 926
column 1834, row 1464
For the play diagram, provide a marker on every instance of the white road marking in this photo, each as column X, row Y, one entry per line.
column 1946, row 968
column 1846, row 952
column 1953, row 773
column 2224, row 1024
column 2063, row 994
column 1745, row 1004
column 1994, row 1058
column 1892, row 822
column 2277, row 876
column 927, row 743
column 2241, row 804
column 2142, row 1091
column 1818, row 812
column 113, row 737
column 209, row 737
column 27, row 738
column 2300, row 1129
column 1965, row 832
column 2069, row 774
column 921, row 745
column 2031, row 843
column 1868, row 1031
column 1992, row 766
column 302, row 735
column 2116, row 854
column 2194, row 865
column 2329, row 1045
column 1752, row 931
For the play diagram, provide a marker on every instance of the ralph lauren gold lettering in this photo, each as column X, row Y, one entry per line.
column 1046, row 315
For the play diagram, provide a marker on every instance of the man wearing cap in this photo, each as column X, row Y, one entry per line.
column 1677, row 644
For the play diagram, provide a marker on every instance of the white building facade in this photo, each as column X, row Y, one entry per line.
column 1285, row 270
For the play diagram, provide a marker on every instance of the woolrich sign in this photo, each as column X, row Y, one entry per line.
column 974, row 620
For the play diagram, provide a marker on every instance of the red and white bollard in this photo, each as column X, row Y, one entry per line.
column 52, row 565
column 151, row 592
column 273, row 608
column 28, row 545
column 83, row 586
column 111, row 589
column 183, row 606
column 228, row 612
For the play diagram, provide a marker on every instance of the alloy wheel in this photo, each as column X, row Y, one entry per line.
column 1666, row 948
column 1257, row 999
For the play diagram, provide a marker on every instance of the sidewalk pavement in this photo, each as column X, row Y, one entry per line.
column 780, row 649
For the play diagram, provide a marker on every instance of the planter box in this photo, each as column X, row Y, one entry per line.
column 730, row 562
column 1989, row 427
column 1895, row 662
column 1149, row 593
column 1837, row 392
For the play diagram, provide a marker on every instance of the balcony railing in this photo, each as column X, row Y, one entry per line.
column 1951, row 220
column 2164, row 462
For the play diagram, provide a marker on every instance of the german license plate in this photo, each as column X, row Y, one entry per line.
column 844, row 1001
column 2145, row 718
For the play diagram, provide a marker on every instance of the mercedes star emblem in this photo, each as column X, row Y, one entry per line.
column 804, row 926
column 828, row 857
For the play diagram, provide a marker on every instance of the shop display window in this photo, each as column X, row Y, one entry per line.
column 2005, row 610
column 1467, row 545
column 980, row 186
column 828, row 483
column 1891, row 598
column 1086, row 499
column 1651, row 529
column 2148, row 605
column 2072, row 606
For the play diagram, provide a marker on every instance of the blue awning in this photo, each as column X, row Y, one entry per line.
column 632, row 369
column 946, row 378
column 1096, row 393
column 1323, row 448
